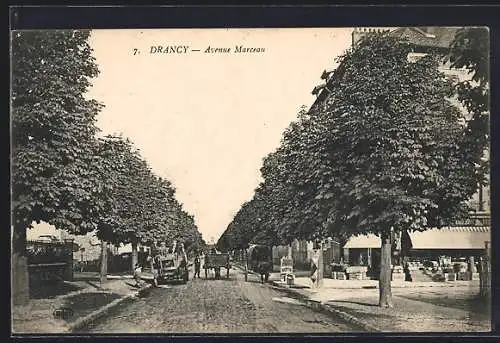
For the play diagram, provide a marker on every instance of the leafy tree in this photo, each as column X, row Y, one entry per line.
column 470, row 50
column 54, row 173
column 395, row 146
column 385, row 152
column 144, row 205
column 129, row 178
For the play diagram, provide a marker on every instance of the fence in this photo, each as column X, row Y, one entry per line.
column 50, row 261
column 117, row 263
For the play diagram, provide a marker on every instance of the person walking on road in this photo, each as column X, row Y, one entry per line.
column 197, row 266
column 137, row 275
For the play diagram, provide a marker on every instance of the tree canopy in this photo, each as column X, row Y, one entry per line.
column 54, row 172
column 385, row 151
column 62, row 172
column 470, row 50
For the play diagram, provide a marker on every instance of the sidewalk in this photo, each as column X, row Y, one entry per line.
column 418, row 306
column 82, row 300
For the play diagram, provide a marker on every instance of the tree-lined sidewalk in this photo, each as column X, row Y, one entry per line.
column 63, row 173
column 437, row 308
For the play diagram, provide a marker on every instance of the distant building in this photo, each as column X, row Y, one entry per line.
column 89, row 245
column 302, row 251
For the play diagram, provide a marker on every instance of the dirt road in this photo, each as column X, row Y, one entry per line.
column 218, row 306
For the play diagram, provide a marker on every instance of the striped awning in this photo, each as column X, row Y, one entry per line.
column 464, row 237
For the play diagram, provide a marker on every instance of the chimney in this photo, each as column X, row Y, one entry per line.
column 357, row 33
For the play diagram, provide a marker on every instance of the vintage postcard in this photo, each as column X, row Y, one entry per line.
column 305, row 180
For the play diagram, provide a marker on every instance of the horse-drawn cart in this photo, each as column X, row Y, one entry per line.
column 168, row 266
column 259, row 259
column 216, row 261
column 169, row 269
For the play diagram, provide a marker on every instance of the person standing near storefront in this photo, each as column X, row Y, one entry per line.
column 197, row 266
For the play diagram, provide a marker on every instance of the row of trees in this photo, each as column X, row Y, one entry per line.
column 63, row 173
column 385, row 152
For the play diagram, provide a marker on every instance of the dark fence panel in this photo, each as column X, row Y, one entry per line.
column 50, row 261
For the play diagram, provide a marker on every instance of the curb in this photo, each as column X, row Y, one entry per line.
column 317, row 305
column 84, row 321
column 350, row 318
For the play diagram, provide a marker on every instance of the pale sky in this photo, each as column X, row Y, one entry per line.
column 205, row 121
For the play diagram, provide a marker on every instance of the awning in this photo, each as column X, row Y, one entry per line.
column 363, row 242
column 466, row 237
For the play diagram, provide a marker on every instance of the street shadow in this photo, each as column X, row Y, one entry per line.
column 360, row 314
column 474, row 305
column 51, row 290
column 84, row 304
column 92, row 284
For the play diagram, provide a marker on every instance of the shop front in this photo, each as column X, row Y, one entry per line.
column 434, row 251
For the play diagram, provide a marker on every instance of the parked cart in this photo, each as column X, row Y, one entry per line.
column 216, row 261
column 170, row 267
column 259, row 259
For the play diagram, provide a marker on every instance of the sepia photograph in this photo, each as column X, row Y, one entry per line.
column 250, row 180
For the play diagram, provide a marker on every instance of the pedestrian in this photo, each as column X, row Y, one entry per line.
column 197, row 266
column 137, row 275
column 314, row 271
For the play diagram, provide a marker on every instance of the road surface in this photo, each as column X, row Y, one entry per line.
column 218, row 306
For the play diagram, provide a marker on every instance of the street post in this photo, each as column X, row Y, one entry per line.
column 319, row 281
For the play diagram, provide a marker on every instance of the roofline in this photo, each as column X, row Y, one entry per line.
column 323, row 93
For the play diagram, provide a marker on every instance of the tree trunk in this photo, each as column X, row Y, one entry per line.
column 321, row 266
column 385, row 294
column 485, row 274
column 19, row 267
column 135, row 256
column 104, row 263
column 245, row 257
